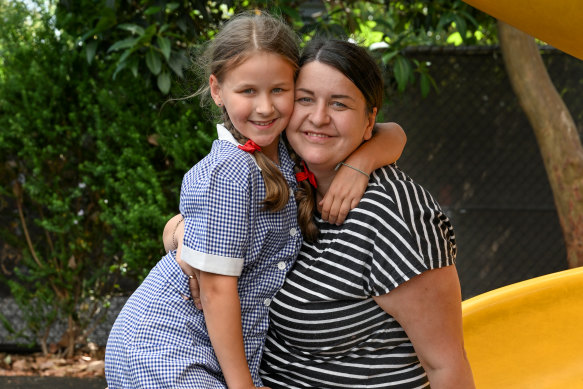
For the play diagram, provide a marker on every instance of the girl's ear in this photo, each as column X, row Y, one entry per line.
column 215, row 90
column 370, row 117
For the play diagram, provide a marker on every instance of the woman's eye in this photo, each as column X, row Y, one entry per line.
column 303, row 100
column 338, row 105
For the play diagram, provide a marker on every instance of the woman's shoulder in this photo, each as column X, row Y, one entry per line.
column 397, row 184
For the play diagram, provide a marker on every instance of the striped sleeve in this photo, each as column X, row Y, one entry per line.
column 412, row 232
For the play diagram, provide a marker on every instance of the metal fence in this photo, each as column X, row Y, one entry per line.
column 471, row 146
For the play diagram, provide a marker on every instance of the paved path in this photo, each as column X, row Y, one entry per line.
column 51, row 383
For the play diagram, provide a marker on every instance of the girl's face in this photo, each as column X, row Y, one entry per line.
column 258, row 95
column 330, row 119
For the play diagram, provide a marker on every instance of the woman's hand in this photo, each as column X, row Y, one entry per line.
column 173, row 238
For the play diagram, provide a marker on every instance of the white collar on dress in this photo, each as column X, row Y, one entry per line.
column 226, row 135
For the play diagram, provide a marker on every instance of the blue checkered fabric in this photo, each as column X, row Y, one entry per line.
column 159, row 339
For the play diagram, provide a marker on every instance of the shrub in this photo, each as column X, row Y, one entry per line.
column 90, row 169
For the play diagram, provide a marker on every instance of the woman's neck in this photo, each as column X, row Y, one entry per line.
column 324, row 180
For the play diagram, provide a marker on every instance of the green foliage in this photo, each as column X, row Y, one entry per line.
column 90, row 169
column 389, row 27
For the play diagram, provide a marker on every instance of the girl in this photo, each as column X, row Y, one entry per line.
column 240, row 229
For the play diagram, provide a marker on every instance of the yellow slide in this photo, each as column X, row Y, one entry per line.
column 529, row 334
column 556, row 22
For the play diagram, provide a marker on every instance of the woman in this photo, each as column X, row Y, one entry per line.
column 376, row 301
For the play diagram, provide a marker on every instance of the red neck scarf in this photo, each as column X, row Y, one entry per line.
column 250, row 147
column 306, row 175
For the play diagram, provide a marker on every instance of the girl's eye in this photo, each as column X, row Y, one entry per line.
column 277, row 90
column 248, row 91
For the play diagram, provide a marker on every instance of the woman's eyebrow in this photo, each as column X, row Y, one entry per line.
column 332, row 96
column 342, row 97
column 305, row 91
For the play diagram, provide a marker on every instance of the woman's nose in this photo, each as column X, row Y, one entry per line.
column 264, row 105
column 319, row 115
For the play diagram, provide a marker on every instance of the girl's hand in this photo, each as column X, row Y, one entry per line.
column 344, row 194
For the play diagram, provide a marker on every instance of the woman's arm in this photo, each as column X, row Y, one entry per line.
column 348, row 186
column 428, row 307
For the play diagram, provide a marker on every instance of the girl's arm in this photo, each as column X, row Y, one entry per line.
column 222, row 313
column 428, row 307
column 219, row 296
column 348, row 186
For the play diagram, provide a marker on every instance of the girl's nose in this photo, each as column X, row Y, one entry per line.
column 264, row 105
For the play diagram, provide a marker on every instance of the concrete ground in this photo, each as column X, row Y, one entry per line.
column 51, row 383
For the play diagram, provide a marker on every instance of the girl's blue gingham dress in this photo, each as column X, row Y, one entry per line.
column 159, row 339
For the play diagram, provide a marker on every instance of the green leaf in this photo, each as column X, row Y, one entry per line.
column 133, row 28
column 123, row 44
column 119, row 68
column 133, row 65
column 90, row 50
column 153, row 62
column 402, row 71
column 170, row 7
column 445, row 20
column 148, row 34
column 461, row 26
column 125, row 55
column 164, row 45
column 425, row 84
column 177, row 63
column 152, row 10
column 387, row 57
column 164, row 82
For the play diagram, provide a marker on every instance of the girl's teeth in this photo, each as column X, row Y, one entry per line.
column 264, row 123
column 317, row 135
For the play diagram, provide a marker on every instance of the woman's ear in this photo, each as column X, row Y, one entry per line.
column 215, row 90
column 371, row 118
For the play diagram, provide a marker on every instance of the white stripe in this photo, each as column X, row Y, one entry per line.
column 211, row 263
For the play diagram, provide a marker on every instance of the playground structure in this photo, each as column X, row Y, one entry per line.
column 528, row 334
column 556, row 22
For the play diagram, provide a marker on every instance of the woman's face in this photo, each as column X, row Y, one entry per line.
column 330, row 119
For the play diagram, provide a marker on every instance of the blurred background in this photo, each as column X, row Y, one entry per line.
column 95, row 135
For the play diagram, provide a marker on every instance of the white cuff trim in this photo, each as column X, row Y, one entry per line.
column 211, row 263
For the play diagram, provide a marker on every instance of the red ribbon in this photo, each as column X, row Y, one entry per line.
column 250, row 147
column 306, row 175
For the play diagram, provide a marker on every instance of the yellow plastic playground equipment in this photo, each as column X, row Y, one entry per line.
column 556, row 22
column 530, row 334
column 527, row 335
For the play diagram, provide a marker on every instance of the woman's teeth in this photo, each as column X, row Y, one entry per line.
column 316, row 135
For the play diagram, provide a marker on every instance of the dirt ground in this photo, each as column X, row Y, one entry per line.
column 82, row 365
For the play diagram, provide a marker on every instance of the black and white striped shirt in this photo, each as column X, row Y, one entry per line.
column 326, row 331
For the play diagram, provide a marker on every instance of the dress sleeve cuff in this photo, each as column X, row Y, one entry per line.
column 212, row 263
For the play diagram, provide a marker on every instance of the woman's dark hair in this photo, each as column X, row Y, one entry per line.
column 357, row 65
